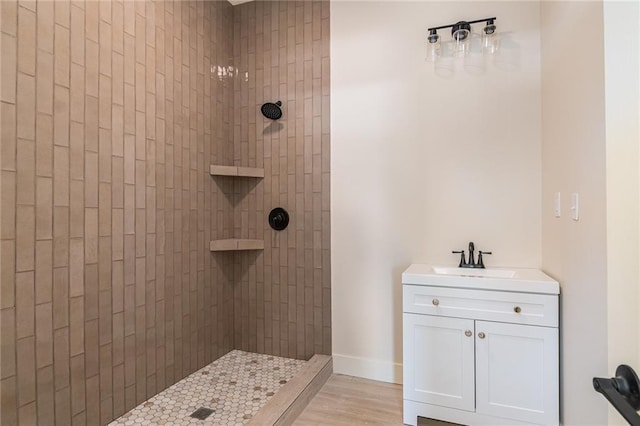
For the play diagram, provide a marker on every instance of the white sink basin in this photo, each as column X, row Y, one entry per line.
column 503, row 279
column 471, row 272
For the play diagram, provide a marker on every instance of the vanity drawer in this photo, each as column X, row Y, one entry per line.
column 518, row 308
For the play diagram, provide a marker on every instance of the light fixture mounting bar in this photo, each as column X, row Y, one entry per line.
column 468, row 22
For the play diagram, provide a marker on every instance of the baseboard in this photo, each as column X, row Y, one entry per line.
column 368, row 368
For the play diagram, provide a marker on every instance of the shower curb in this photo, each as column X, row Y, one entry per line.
column 290, row 400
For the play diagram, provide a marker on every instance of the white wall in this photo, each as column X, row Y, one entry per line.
column 573, row 160
column 622, row 72
column 423, row 164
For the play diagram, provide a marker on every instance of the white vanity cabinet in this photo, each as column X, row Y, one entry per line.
column 477, row 353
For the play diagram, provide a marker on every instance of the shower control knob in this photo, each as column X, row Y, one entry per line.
column 435, row 302
column 278, row 219
column 468, row 333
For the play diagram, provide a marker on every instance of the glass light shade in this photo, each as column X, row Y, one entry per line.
column 461, row 47
column 490, row 43
column 433, row 51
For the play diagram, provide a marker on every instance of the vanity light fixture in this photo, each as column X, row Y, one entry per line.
column 460, row 32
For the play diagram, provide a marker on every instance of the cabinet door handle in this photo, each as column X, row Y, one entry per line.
column 468, row 333
column 517, row 309
column 435, row 302
column 481, row 335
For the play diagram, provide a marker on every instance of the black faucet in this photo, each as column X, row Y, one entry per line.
column 471, row 263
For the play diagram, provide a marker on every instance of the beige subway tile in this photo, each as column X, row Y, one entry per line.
column 92, row 55
column 76, row 326
column 130, row 17
column 92, row 360
column 8, row 67
column 140, row 39
column 91, row 179
column 60, row 298
column 7, row 273
column 92, row 19
column 8, row 347
column 129, row 110
column 8, row 200
column 104, row 263
column 91, row 124
column 45, row 26
column 45, row 394
column 104, row 102
column 9, row 16
column 63, row 13
column 76, row 209
column 60, row 236
column 117, row 10
column 117, row 233
column 26, row 107
column 77, row 35
column 90, row 292
column 44, row 145
column 44, row 271
column 63, row 407
column 44, row 208
column 44, row 335
column 8, row 396
column 76, row 267
column 117, row 282
column 140, row 88
column 61, row 55
column 77, row 384
column 26, row 370
column 79, row 419
column 117, row 131
column 27, row 41
column 76, row 151
column 26, row 173
column 104, row 210
column 105, row 48
column 25, row 237
column 61, row 116
column 129, row 60
column 91, row 235
column 93, row 397
column 76, row 93
column 8, row 134
column 44, row 82
column 129, row 209
column 60, row 176
column 61, row 358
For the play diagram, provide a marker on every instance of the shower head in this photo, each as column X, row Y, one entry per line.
column 272, row 111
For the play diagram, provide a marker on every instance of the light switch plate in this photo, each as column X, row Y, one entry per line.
column 556, row 204
column 575, row 206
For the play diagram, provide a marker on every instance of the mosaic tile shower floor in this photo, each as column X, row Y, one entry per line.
column 234, row 386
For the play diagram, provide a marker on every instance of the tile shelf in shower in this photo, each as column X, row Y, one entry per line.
column 235, row 244
column 254, row 172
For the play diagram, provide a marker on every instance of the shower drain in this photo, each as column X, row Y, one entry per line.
column 201, row 413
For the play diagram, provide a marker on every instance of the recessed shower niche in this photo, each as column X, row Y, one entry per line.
column 229, row 173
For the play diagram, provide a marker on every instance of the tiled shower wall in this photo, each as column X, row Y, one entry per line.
column 111, row 114
column 282, row 301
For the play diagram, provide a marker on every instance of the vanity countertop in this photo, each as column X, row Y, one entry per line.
column 500, row 279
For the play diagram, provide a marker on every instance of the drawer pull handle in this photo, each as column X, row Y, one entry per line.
column 481, row 335
column 517, row 309
column 468, row 333
column 435, row 302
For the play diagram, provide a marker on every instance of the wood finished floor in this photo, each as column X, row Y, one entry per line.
column 348, row 401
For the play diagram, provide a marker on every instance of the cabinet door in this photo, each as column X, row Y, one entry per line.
column 438, row 361
column 517, row 372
